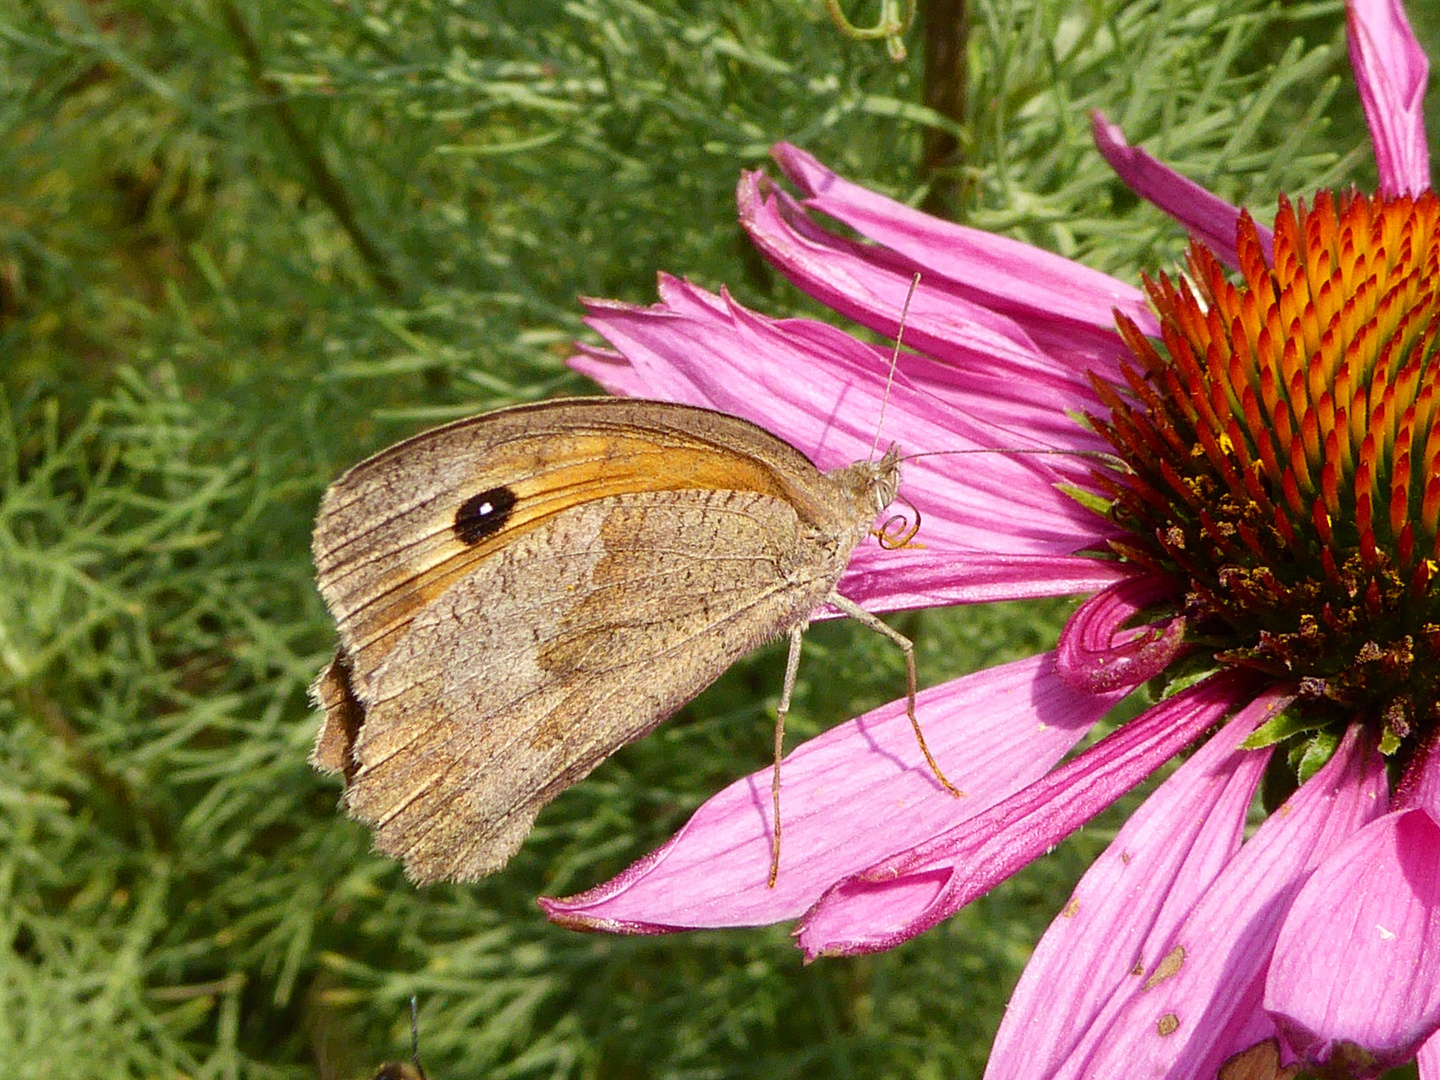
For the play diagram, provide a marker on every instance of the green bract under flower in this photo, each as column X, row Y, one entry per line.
column 1283, row 454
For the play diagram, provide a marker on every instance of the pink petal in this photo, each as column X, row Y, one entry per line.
column 908, row 893
column 1429, row 1058
column 1208, row 218
column 993, row 403
column 1250, row 1028
column 1014, row 407
column 1390, row 72
column 1004, row 403
column 869, row 284
column 610, row 370
column 937, row 577
column 1196, row 1006
column 1420, row 786
column 1357, row 962
column 848, row 797
column 976, row 524
column 1131, row 900
column 1098, row 651
column 1004, row 275
column 828, row 403
column 923, row 576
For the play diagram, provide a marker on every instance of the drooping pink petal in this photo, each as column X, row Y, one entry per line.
column 1207, row 217
column 1390, row 72
column 939, row 570
column 611, row 371
column 995, row 397
column 1005, row 275
column 869, row 284
column 781, row 372
column 984, row 403
column 934, row 573
column 828, row 404
column 1356, row 973
column 1097, row 653
column 1197, row 1001
column 910, row 892
column 992, row 733
column 1131, row 900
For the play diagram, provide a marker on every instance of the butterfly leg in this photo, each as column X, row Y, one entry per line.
column 792, row 670
column 865, row 618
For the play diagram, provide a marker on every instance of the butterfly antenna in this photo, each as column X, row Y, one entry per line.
column 894, row 361
column 1027, row 451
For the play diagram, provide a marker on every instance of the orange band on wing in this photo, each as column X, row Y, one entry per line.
column 544, row 483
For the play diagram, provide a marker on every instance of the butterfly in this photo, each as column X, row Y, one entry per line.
column 522, row 593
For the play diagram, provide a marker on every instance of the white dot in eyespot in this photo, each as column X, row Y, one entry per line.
column 484, row 514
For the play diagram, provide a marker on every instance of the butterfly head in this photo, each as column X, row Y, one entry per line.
column 871, row 485
column 884, row 479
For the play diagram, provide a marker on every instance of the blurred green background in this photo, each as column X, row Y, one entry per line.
column 244, row 243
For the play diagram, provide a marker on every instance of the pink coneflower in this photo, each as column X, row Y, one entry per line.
column 1269, row 544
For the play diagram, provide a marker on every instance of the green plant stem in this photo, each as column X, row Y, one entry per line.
column 327, row 184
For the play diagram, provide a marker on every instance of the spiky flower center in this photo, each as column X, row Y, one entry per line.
column 1283, row 454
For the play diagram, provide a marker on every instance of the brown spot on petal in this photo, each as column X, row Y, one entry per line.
column 1172, row 963
column 1260, row 1062
column 1071, row 909
column 1167, row 1025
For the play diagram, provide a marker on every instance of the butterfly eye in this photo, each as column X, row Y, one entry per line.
column 484, row 514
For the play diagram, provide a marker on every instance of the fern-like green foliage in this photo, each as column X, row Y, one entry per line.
column 244, row 243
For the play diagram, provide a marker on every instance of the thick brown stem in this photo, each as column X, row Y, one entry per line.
column 945, row 35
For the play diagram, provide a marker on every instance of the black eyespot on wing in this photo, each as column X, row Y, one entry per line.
column 484, row 514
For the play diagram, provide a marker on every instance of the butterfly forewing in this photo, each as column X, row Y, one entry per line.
column 394, row 533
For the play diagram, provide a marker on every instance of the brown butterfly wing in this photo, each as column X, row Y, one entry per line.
column 386, row 540
column 577, row 638
column 506, row 619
